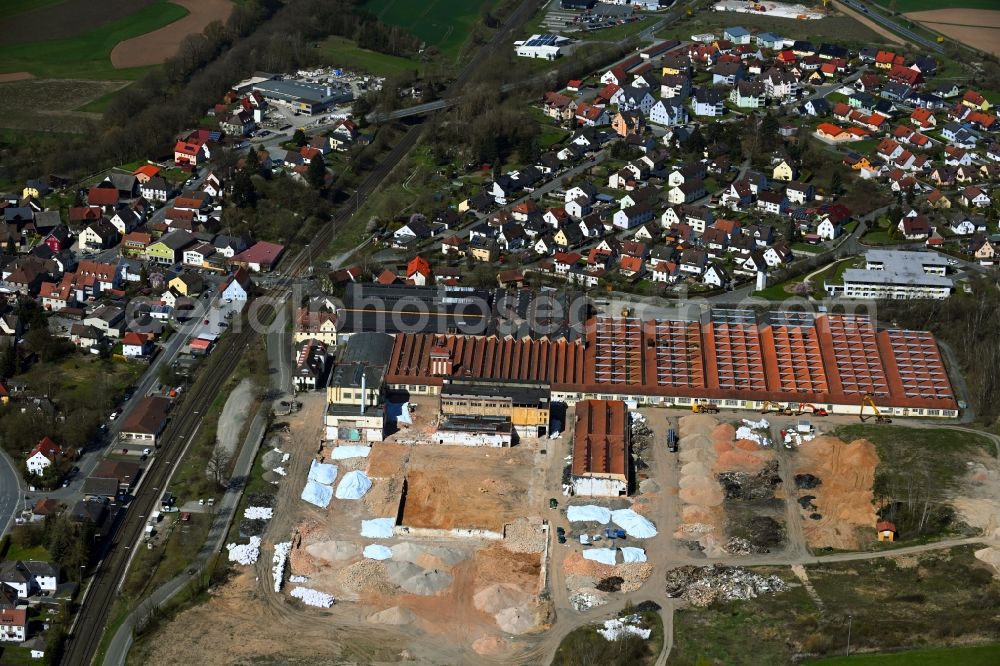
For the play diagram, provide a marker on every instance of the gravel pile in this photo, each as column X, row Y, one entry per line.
column 367, row 577
column 523, row 536
column 395, row 616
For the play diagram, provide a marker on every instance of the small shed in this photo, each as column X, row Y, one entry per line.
column 886, row 530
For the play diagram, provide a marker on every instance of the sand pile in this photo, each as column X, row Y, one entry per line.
column 517, row 620
column 494, row 598
column 415, row 579
column 701, row 440
column 395, row 616
column 843, row 500
column 365, row 577
column 427, row 557
column 333, row 551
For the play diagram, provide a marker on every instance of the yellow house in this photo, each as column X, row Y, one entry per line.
column 560, row 238
column 4, row 394
column 186, row 284
column 862, row 163
column 783, row 171
column 886, row 530
column 668, row 70
column 484, row 250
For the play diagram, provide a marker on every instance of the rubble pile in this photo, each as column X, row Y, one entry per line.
column 618, row 627
column 703, row 586
column 744, row 486
column 524, row 536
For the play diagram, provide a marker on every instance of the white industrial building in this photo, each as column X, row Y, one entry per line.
column 897, row 274
column 546, row 47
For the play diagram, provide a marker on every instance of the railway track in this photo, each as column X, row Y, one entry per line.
column 92, row 617
column 88, row 631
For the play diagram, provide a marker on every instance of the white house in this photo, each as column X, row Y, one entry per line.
column 665, row 113
column 13, row 625
column 45, row 454
column 827, row 230
column 236, row 287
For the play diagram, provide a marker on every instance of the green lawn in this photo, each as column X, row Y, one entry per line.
column 441, row 23
column 100, row 104
column 15, row 552
column 926, row 5
column 343, row 52
column 981, row 655
column 14, row 7
column 87, row 56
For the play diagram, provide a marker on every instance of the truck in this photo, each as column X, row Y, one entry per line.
column 584, row 540
column 672, row 440
column 614, row 533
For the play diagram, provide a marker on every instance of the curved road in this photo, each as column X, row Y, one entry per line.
column 11, row 492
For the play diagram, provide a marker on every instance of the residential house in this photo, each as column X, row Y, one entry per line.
column 236, row 287
column 917, row 227
column 628, row 123
column 827, row 229
column 715, row 275
column 137, row 345
column 666, row 113
column 774, row 203
column 99, row 235
column 748, row 94
column 688, row 191
column 783, row 171
column 974, row 197
column 799, row 193
column 709, row 102
column 44, row 454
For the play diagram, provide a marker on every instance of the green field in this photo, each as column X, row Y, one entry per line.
column 87, row 56
column 343, row 52
column 926, row 5
column 844, row 29
column 982, row 655
column 14, row 7
column 619, row 32
column 444, row 24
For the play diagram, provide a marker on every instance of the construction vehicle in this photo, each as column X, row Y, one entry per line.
column 672, row 440
column 870, row 401
column 613, row 533
column 816, row 411
column 940, row 39
column 704, row 407
column 776, row 408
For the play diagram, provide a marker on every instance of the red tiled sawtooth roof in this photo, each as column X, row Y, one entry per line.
column 833, row 359
column 600, row 439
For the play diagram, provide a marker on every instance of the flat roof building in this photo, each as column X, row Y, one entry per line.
column 544, row 46
column 601, row 449
column 897, row 274
column 736, row 359
column 311, row 98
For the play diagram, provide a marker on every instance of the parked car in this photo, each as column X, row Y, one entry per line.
column 115, row 414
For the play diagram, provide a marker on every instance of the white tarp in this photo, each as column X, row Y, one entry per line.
column 588, row 512
column 376, row 552
column 602, row 555
column 633, row 524
column 378, row 528
column 632, row 554
column 281, row 551
column 258, row 513
column 322, row 473
column 350, row 451
column 404, row 415
column 354, row 485
column 317, row 494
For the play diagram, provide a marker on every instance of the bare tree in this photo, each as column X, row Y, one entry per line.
column 218, row 466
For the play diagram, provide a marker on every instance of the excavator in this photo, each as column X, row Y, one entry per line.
column 816, row 411
column 870, row 401
column 704, row 407
column 776, row 408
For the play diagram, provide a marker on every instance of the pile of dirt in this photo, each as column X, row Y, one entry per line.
column 333, row 551
column 427, row 557
column 611, row 584
column 703, row 586
column 839, row 501
column 490, row 645
column 395, row 616
column 978, row 506
column 737, row 485
column 701, row 496
column 583, row 574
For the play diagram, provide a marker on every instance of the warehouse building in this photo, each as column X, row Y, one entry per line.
column 302, row 96
column 525, row 405
column 355, row 393
column 736, row 359
column 546, row 47
column 601, row 449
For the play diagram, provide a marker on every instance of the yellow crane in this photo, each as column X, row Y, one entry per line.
column 870, row 402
